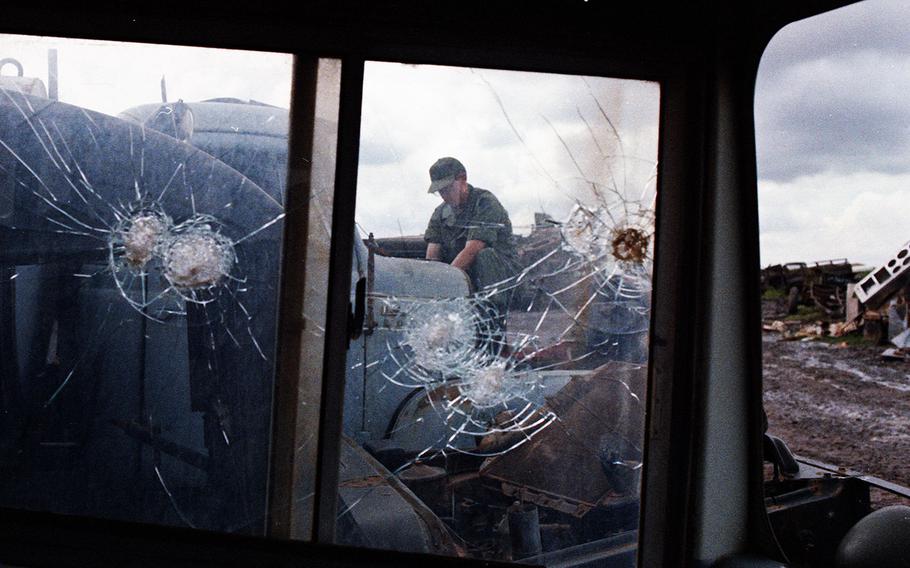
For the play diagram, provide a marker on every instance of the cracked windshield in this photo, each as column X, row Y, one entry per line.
column 831, row 115
column 494, row 405
column 141, row 213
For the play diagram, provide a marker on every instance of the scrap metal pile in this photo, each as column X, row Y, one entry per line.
column 829, row 298
column 821, row 284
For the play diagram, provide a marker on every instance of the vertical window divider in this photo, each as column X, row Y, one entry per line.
column 671, row 417
column 337, row 332
column 286, row 401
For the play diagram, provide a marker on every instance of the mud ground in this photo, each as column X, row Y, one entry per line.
column 842, row 405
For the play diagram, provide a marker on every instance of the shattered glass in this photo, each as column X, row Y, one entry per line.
column 521, row 398
column 139, row 294
column 139, row 290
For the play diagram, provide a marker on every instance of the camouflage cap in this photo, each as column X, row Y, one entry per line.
column 444, row 172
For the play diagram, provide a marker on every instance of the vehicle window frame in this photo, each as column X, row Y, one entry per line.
column 764, row 39
column 664, row 536
column 668, row 284
column 667, row 303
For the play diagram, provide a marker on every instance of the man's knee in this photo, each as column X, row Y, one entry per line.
column 486, row 257
column 486, row 268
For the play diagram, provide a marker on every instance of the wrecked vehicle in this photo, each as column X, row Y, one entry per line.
column 128, row 273
column 822, row 284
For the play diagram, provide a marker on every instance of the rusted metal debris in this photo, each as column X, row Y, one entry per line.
column 369, row 481
column 796, row 330
column 841, row 329
column 822, row 284
column 601, row 419
column 876, row 304
column 555, row 502
column 894, row 354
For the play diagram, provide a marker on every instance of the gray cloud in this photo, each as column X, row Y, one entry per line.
column 831, row 135
column 830, row 94
column 879, row 25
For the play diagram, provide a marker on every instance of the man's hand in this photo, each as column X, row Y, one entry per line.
column 465, row 258
column 434, row 251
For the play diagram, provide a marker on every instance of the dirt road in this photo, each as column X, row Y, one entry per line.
column 841, row 405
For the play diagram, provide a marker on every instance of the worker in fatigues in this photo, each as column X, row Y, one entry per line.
column 471, row 230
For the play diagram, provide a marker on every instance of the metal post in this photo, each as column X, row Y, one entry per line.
column 52, row 75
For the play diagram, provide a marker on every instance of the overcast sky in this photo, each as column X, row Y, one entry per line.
column 111, row 77
column 832, row 123
column 833, row 136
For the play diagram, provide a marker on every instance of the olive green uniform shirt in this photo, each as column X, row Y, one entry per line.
column 482, row 218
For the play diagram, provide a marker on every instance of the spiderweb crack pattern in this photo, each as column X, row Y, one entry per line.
column 483, row 384
column 514, row 364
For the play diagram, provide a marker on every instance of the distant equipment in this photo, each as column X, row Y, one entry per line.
column 822, row 284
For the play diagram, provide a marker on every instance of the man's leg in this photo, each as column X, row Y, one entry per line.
column 491, row 273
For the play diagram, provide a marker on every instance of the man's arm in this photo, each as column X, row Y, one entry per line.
column 465, row 258
column 434, row 251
